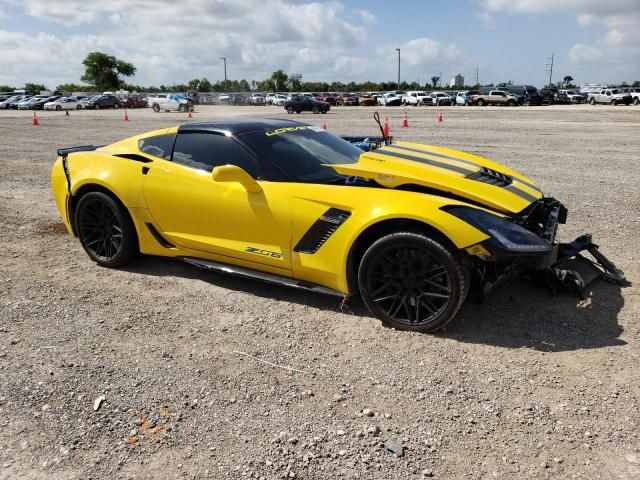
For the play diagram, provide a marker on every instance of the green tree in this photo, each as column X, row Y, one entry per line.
column 104, row 71
column 434, row 80
column 6, row 88
column 73, row 87
column 34, row 87
column 636, row 83
column 205, row 85
column 566, row 81
column 194, row 84
column 278, row 81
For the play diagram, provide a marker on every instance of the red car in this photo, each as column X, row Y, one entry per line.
column 134, row 101
column 327, row 97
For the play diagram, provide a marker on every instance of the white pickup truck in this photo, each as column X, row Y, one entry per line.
column 168, row 103
column 417, row 98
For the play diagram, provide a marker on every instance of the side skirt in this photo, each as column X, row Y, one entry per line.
column 266, row 277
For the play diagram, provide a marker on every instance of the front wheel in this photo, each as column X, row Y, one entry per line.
column 105, row 230
column 592, row 101
column 59, row 108
column 290, row 110
column 636, row 100
column 412, row 282
column 316, row 110
column 156, row 108
column 480, row 102
column 182, row 108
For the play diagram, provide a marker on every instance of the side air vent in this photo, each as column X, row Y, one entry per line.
column 133, row 156
column 486, row 175
column 321, row 230
column 159, row 238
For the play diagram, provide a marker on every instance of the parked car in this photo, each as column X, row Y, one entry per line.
column 103, row 101
column 495, row 97
column 528, row 94
column 170, row 103
column 439, row 98
column 390, row 99
column 366, row 100
column 327, row 97
column 134, row 101
column 417, row 98
column 306, row 104
column 349, row 100
column 464, row 98
column 63, row 103
column 29, row 103
column 612, row 96
column 574, row 96
column 257, row 99
column 279, row 99
column 634, row 92
column 269, row 98
column 39, row 104
column 5, row 104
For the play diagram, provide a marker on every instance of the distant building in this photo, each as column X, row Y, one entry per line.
column 457, row 81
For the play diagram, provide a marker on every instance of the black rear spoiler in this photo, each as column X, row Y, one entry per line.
column 63, row 152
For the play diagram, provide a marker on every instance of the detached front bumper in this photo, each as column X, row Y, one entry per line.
column 528, row 243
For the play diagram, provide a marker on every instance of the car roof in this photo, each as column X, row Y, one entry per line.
column 238, row 126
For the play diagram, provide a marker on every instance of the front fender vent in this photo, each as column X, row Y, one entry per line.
column 486, row 175
column 321, row 230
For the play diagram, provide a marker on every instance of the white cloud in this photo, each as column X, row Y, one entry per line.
column 420, row 51
column 173, row 41
column 620, row 19
column 487, row 20
column 365, row 16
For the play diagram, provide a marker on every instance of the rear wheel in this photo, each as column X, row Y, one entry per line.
column 156, row 107
column 636, row 100
column 105, row 230
column 480, row 102
column 290, row 110
column 511, row 103
column 412, row 282
column 116, row 105
column 316, row 110
column 182, row 108
column 592, row 101
column 59, row 108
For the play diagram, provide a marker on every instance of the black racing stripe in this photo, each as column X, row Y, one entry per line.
column 449, row 157
column 435, row 154
column 434, row 163
column 521, row 193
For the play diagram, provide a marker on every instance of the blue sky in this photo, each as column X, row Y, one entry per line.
column 169, row 41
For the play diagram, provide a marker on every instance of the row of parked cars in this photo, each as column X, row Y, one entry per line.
column 25, row 101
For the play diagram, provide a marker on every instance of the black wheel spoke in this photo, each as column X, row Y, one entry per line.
column 100, row 230
column 409, row 284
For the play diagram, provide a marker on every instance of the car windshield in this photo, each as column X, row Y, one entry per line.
column 302, row 152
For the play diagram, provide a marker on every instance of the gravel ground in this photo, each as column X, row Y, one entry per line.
column 145, row 372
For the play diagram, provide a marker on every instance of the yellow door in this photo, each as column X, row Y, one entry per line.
column 192, row 210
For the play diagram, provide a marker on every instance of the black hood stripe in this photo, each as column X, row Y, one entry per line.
column 449, row 157
column 434, row 163
column 521, row 193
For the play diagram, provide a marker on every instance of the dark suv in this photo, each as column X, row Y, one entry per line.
column 527, row 93
column 306, row 104
column 104, row 101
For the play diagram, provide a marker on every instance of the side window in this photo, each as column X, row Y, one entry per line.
column 159, row 146
column 205, row 151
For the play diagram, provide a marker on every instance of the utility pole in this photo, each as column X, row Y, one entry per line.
column 550, row 66
column 398, row 50
column 224, row 59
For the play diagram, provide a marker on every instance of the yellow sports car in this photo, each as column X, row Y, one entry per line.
column 411, row 228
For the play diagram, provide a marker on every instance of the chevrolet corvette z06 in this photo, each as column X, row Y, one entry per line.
column 411, row 228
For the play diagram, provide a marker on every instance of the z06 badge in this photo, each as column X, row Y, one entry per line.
column 264, row 253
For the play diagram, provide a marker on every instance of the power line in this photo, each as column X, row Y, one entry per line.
column 549, row 66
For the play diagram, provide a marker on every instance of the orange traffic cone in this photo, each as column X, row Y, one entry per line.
column 324, row 126
column 405, row 121
column 440, row 117
column 385, row 129
column 126, row 116
column 35, row 119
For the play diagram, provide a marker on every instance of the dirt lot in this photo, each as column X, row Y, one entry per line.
column 525, row 385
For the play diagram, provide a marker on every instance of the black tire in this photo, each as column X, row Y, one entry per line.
column 404, row 273
column 323, row 112
column 182, row 108
column 298, row 111
column 116, row 105
column 97, row 107
column 592, row 101
column 316, row 110
column 59, row 108
column 480, row 102
column 78, row 107
column 156, row 108
column 511, row 103
column 290, row 110
column 613, row 102
column 636, row 100
column 105, row 230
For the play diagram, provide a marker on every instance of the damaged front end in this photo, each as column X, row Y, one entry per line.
column 527, row 243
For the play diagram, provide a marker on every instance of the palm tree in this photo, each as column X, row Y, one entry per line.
column 567, row 80
column 434, row 80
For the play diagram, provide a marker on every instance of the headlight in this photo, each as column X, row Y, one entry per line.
column 506, row 236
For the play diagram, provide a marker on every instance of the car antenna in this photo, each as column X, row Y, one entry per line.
column 376, row 117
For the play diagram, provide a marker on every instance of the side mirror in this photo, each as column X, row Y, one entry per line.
column 233, row 173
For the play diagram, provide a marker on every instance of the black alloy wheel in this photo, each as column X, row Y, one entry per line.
column 412, row 282
column 105, row 230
